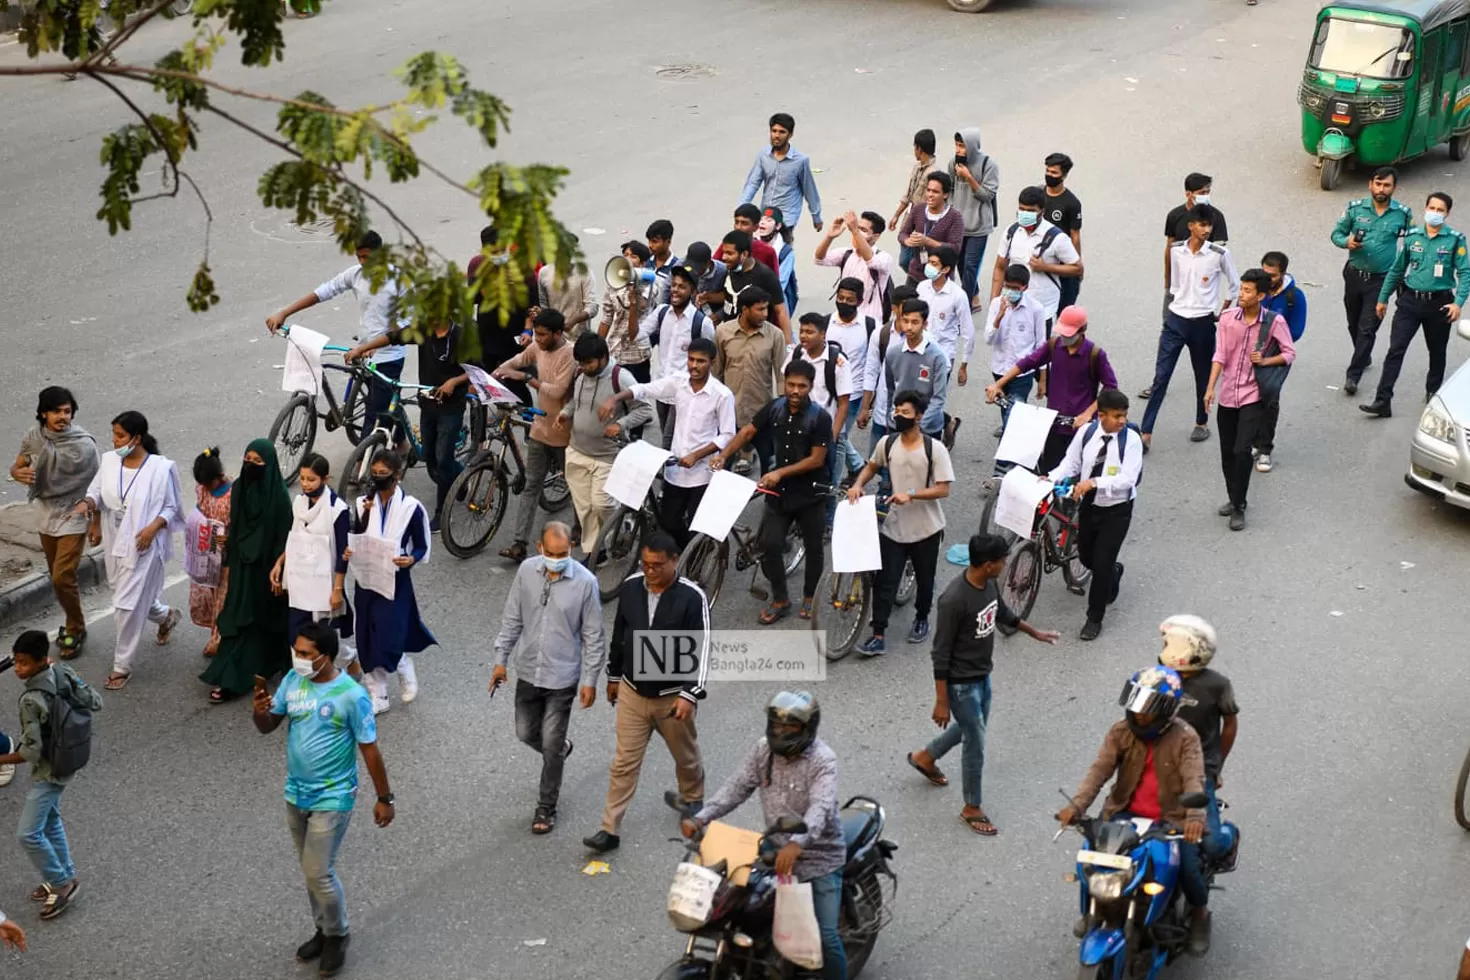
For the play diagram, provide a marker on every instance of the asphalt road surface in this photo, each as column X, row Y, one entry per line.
column 1341, row 609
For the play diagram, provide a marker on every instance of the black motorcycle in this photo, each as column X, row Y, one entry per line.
column 733, row 940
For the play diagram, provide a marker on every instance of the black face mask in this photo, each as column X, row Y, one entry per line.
column 846, row 311
column 381, row 483
column 313, row 494
column 1053, row 181
column 902, row 423
column 251, row 471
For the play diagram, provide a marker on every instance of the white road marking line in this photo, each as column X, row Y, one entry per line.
column 106, row 613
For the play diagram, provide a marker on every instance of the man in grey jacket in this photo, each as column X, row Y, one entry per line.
column 595, row 443
column 552, row 628
column 976, row 179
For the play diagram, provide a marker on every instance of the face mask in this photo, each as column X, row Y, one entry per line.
column 1201, row 199
column 313, row 494
column 1053, row 181
column 124, row 452
column 1433, row 219
column 846, row 311
column 1073, row 340
column 381, row 483
column 303, row 666
column 557, row 565
column 902, row 423
column 930, row 272
column 252, row 471
column 1013, row 296
column 1026, row 219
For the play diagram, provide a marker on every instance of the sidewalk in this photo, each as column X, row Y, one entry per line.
column 25, row 588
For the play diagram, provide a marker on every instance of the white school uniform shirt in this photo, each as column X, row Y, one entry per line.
column 701, row 417
column 674, row 335
column 1026, row 244
column 1021, row 331
column 840, row 374
column 853, row 339
column 1118, row 481
column 378, row 310
column 950, row 322
column 1195, row 279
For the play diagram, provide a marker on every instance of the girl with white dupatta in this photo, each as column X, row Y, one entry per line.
column 389, row 629
column 135, row 508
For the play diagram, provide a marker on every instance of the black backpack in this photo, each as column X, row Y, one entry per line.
column 1047, row 237
column 67, row 744
column 834, row 349
column 885, row 289
column 928, row 456
column 696, row 328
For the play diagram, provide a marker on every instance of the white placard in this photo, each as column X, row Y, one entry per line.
column 303, row 369
column 1020, row 492
column 633, row 471
column 724, row 499
column 855, row 536
column 372, row 563
column 309, row 567
column 1025, row 435
column 487, row 389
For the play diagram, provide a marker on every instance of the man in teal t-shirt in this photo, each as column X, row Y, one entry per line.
column 329, row 716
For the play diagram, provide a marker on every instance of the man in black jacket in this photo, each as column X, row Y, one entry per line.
column 652, row 696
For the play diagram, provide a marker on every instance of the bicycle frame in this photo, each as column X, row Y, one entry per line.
column 1054, row 528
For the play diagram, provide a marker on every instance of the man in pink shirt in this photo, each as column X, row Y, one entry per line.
column 1239, row 351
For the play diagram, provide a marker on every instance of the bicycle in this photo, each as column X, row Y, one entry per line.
column 474, row 507
column 1052, row 545
column 614, row 555
column 850, row 598
column 990, row 487
column 705, row 559
column 294, row 430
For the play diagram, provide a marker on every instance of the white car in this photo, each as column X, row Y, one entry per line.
column 1439, row 456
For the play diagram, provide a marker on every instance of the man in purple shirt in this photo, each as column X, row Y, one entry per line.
column 1075, row 369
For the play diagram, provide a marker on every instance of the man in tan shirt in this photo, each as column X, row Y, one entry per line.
column 572, row 296
column 751, row 352
column 551, row 355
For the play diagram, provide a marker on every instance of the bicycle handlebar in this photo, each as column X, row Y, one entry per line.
column 1005, row 401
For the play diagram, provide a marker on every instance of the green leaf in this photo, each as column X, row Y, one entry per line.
column 123, row 153
column 202, row 294
column 485, row 112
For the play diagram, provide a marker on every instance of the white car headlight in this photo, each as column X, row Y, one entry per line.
column 1107, row 885
column 1436, row 423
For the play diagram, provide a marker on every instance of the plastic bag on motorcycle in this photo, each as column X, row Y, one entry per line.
column 794, row 928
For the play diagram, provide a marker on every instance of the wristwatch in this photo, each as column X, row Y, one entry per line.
column 386, row 798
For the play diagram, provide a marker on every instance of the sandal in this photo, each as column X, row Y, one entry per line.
column 117, row 681
column 516, row 552
column 980, row 824
column 166, row 628
column 70, row 644
column 933, row 773
column 220, row 696
column 774, row 613
column 41, row 893
column 806, row 609
column 543, row 822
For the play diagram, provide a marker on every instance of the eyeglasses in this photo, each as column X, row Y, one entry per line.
column 653, row 566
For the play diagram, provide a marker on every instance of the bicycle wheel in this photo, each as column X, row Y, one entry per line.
column 849, row 600
column 1022, row 582
column 293, row 433
column 473, row 509
column 357, row 477
column 354, row 411
column 908, row 584
column 1460, row 816
column 615, row 555
column 990, row 489
column 1076, row 574
column 703, row 563
column 793, row 549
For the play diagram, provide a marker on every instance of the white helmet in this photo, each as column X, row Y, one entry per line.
column 1189, row 642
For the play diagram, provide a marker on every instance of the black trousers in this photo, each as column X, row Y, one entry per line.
column 1238, row 428
column 1266, row 434
column 924, row 553
column 641, row 372
column 1360, row 301
column 666, row 417
column 1054, row 450
column 676, row 510
column 1416, row 310
column 1100, row 535
column 812, row 519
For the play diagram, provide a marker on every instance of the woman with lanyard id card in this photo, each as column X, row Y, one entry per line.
column 135, row 509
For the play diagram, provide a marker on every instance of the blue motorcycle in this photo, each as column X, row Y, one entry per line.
column 1135, row 918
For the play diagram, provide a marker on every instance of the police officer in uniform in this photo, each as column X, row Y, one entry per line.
column 1370, row 230
column 1432, row 276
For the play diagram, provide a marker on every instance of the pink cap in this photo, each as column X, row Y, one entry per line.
column 1071, row 320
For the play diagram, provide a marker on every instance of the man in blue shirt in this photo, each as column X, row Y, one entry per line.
column 328, row 713
column 1288, row 301
column 786, row 173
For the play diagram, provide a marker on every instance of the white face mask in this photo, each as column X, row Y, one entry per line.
column 1201, row 199
column 304, row 666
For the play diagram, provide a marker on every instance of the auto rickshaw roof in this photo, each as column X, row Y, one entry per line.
column 1429, row 13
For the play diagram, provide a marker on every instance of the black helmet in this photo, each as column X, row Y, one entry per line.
column 792, row 708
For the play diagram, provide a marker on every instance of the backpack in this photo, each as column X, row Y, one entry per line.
column 67, row 743
column 834, row 350
column 884, row 339
column 1047, row 237
column 1092, row 360
column 885, row 290
column 695, row 328
column 928, row 456
column 1122, row 442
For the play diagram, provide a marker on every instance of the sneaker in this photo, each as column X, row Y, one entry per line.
column 1199, row 434
column 311, row 949
column 1090, row 630
column 381, row 705
column 334, row 955
column 873, row 646
column 433, row 525
column 7, row 773
column 408, row 681
column 1263, row 463
column 1146, row 393
column 602, row 842
column 58, row 900
column 920, row 631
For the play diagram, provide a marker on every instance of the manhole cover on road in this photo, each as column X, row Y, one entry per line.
column 684, row 71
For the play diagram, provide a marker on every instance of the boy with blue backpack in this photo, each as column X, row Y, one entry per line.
column 1106, row 458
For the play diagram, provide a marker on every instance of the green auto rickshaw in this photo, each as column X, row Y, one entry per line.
column 1386, row 81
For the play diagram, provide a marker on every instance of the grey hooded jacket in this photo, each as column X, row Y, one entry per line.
column 581, row 410
column 978, row 207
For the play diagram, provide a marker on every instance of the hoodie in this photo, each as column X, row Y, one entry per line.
column 581, row 410
column 977, row 207
column 1290, row 303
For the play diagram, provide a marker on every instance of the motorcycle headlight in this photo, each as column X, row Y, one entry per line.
column 1106, row 885
column 1435, row 422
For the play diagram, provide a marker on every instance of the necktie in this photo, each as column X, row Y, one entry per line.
column 1101, row 460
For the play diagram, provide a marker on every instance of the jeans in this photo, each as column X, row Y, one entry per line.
column 379, row 397
column 973, row 250
column 969, row 707
column 827, row 903
column 905, row 256
column 774, row 525
column 317, row 835
column 42, row 834
column 1071, row 287
column 539, row 459
column 1238, row 428
column 1018, row 390
column 880, row 432
column 542, row 715
column 1198, row 334
column 1191, row 876
column 439, row 433
column 845, row 450
column 1219, row 836
column 925, row 556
